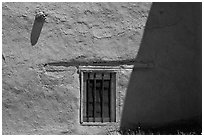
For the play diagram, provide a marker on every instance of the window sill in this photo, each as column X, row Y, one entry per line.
column 96, row 123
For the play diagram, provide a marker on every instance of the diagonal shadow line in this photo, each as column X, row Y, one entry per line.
column 135, row 109
column 123, row 124
column 36, row 30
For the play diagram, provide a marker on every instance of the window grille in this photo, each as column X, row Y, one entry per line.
column 99, row 103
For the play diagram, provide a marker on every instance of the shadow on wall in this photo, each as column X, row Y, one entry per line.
column 169, row 93
column 37, row 27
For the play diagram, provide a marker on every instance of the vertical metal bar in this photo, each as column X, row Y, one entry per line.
column 102, row 98
column 87, row 98
column 109, row 97
column 94, row 91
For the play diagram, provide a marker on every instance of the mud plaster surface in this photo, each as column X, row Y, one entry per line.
column 40, row 99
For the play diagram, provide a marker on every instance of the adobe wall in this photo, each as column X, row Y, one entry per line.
column 170, row 92
column 40, row 81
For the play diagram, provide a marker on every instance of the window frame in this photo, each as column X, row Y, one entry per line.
column 114, row 92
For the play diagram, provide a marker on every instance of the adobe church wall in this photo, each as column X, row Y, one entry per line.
column 40, row 83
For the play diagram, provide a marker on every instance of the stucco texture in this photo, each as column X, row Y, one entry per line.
column 40, row 60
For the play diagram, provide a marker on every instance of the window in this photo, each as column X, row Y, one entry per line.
column 98, row 100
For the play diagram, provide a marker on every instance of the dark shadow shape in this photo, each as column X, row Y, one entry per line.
column 3, row 57
column 141, row 101
column 36, row 30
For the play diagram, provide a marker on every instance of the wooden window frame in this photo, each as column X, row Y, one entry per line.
column 115, row 111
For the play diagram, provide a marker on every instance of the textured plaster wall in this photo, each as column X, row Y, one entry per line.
column 40, row 82
column 170, row 91
column 48, row 102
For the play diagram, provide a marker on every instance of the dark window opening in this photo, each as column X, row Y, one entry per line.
column 99, row 97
